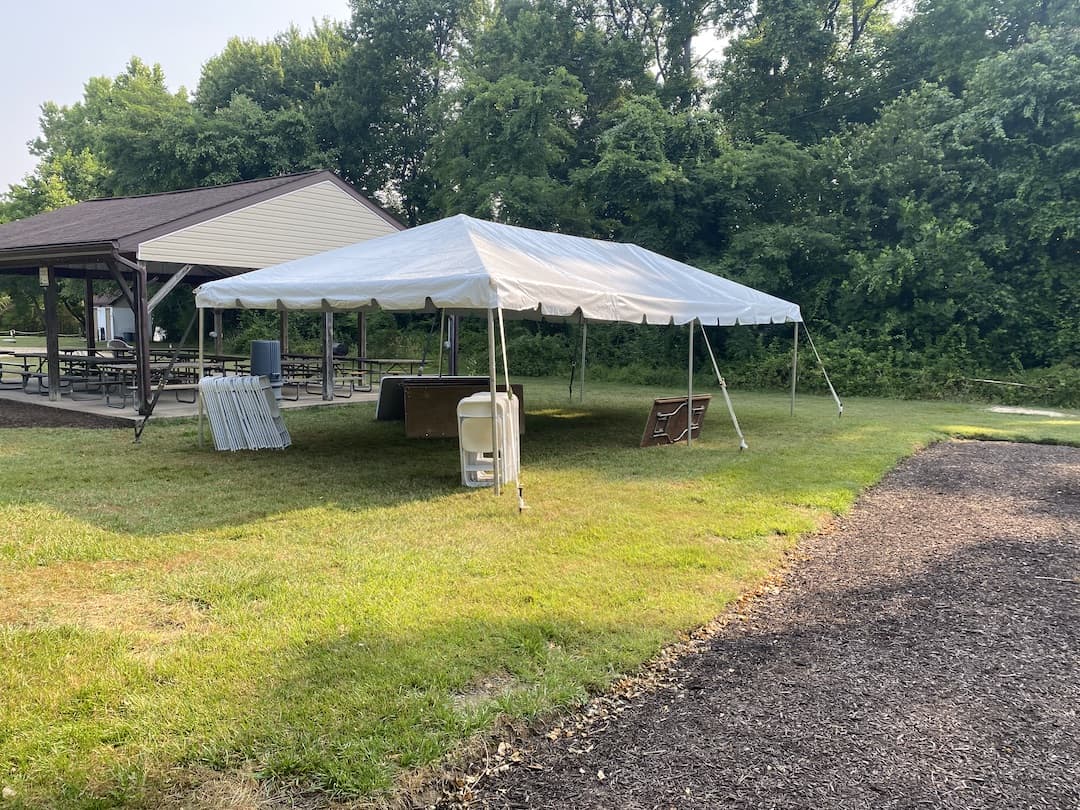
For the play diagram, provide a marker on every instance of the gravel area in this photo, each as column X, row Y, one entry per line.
column 21, row 414
column 925, row 652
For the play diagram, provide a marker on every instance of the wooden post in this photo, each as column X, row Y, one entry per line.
column 283, row 330
column 218, row 333
column 91, row 323
column 361, row 335
column 328, row 356
column 142, row 339
column 52, row 332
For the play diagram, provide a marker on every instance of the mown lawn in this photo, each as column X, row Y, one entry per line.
column 329, row 617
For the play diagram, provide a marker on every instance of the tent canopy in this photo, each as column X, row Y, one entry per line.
column 461, row 265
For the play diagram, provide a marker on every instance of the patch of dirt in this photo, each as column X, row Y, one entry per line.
column 489, row 688
column 27, row 415
column 68, row 595
column 923, row 652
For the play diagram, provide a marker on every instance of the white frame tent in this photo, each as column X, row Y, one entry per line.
column 466, row 266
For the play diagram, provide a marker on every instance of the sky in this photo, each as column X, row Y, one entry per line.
column 49, row 48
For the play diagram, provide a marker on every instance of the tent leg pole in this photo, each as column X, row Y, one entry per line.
column 794, row 367
column 514, row 440
column 202, row 340
column 442, row 331
column 690, row 387
column 495, row 460
column 584, row 341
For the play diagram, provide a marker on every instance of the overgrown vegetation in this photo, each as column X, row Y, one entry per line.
column 170, row 622
column 911, row 179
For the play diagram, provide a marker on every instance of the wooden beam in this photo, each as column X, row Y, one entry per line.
column 283, row 330
column 52, row 332
column 168, row 286
column 361, row 335
column 142, row 341
column 125, row 290
column 91, row 323
column 219, row 328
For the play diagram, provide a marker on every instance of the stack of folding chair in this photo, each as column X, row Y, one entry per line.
column 243, row 413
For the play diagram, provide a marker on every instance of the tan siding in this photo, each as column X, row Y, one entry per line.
column 301, row 223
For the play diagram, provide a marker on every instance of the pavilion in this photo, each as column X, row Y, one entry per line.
column 190, row 236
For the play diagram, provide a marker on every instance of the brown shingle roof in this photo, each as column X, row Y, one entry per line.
column 112, row 219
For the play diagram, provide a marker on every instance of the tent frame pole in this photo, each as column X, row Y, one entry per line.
column 442, row 331
column 515, row 440
column 584, row 341
column 495, row 459
column 690, row 387
column 794, row 367
column 723, row 389
column 202, row 342
column 821, row 364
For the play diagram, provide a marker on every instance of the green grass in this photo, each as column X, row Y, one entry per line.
column 37, row 342
column 339, row 613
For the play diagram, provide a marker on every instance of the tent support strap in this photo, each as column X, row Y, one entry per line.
column 828, row 382
column 690, row 387
column 794, row 367
column 495, row 471
column 723, row 390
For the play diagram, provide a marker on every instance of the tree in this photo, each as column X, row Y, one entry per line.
column 503, row 157
column 386, row 102
column 803, row 68
column 944, row 40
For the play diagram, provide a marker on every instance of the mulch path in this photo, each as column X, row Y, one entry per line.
column 925, row 652
column 22, row 414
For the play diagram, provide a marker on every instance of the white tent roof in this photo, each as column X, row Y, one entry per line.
column 463, row 264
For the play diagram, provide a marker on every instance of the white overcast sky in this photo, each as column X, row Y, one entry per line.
column 49, row 48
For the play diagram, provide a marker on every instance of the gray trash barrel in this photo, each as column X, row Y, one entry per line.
column 266, row 362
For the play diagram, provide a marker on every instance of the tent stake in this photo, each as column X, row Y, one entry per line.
column 496, row 473
column 794, row 367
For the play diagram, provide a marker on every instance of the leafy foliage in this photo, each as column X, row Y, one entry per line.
column 912, row 180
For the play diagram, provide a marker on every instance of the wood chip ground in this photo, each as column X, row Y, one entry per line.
column 923, row 653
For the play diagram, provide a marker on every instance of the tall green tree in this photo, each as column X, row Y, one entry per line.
column 387, row 100
column 504, row 155
column 803, row 68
